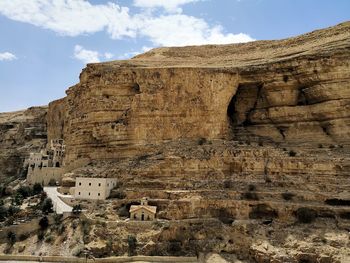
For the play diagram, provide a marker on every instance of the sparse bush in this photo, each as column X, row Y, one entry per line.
column 86, row 226
column 78, row 250
column 12, row 210
column 288, row 196
column 44, row 223
column 292, row 153
column 11, row 238
column 47, row 206
column 305, row 215
column 174, row 247
column 40, row 235
column 250, row 196
column 123, row 212
column 262, row 211
column 132, row 243
column 49, row 239
column 24, row 191
column 202, row 141
column 251, row 187
column 37, row 188
column 3, row 213
column 118, row 195
column 227, row 184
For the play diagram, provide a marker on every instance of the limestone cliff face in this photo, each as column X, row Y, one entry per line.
column 218, row 117
column 21, row 132
column 292, row 91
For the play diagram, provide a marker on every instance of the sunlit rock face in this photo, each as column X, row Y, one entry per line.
column 21, row 132
column 247, row 131
column 293, row 91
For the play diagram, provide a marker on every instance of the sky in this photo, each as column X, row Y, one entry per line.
column 44, row 44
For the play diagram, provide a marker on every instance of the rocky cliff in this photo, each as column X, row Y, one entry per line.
column 258, row 133
column 252, row 131
column 21, row 132
column 289, row 91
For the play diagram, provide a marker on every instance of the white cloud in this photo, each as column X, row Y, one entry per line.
column 168, row 5
column 90, row 56
column 108, row 55
column 86, row 56
column 7, row 56
column 77, row 17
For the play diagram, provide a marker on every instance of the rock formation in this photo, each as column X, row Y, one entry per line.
column 255, row 133
column 21, row 132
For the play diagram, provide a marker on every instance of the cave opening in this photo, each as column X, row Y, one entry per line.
column 244, row 102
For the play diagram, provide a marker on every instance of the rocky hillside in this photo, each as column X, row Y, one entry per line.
column 21, row 132
column 241, row 147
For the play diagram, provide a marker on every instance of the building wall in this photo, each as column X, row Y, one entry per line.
column 44, row 175
column 93, row 188
column 148, row 216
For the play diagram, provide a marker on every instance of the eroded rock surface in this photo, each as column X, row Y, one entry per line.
column 21, row 132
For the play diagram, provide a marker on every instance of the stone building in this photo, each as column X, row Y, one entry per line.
column 143, row 212
column 93, row 188
column 46, row 167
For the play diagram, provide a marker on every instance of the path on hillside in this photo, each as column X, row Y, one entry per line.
column 58, row 205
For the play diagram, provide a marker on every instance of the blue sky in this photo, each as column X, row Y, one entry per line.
column 44, row 44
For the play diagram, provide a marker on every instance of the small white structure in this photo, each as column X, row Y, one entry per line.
column 143, row 212
column 93, row 188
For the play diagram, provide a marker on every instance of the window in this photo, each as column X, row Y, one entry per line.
column 89, row 193
column 79, row 183
column 98, row 194
column 99, row 184
column 79, row 193
column 107, row 184
column 89, row 184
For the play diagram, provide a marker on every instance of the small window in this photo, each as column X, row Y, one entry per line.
column 89, row 193
column 79, row 193
column 98, row 194
column 107, row 184
column 99, row 184
column 89, row 184
column 79, row 183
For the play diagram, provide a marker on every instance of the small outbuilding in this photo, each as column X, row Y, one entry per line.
column 143, row 212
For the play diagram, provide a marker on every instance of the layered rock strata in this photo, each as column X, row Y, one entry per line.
column 21, row 132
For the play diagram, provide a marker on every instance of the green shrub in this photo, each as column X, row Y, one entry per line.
column 78, row 250
column 202, row 141
column 288, row 196
column 3, row 213
column 44, row 223
column 11, row 238
column 47, row 206
column 262, row 211
column 49, row 239
column 292, row 153
column 24, row 191
column 40, row 235
column 250, row 196
column 132, row 244
column 37, row 188
column 305, row 215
